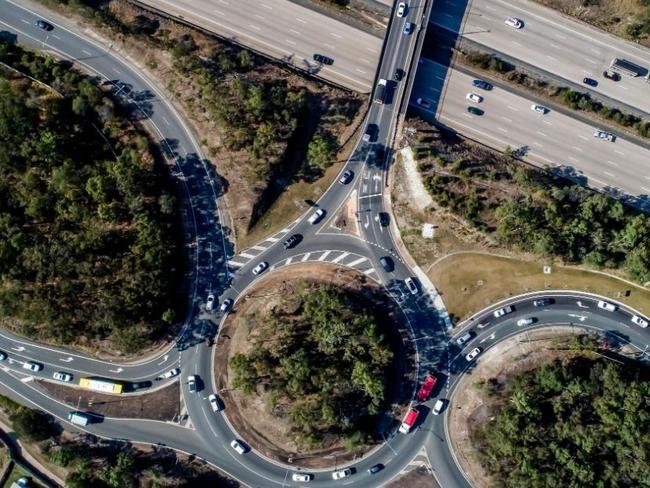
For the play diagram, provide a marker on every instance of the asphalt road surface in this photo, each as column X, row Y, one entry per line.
column 287, row 31
column 550, row 41
column 552, row 139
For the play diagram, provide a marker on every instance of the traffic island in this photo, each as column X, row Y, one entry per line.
column 310, row 363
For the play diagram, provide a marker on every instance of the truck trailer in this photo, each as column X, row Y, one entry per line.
column 380, row 91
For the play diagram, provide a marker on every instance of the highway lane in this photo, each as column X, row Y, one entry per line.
column 550, row 41
column 289, row 32
column 553, row 139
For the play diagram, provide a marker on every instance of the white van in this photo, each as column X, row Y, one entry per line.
column 79, row 418
column 316, row 216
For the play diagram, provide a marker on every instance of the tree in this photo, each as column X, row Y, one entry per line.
column 32, row 425
column 321, row 151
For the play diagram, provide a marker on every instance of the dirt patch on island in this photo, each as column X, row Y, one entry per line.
column 468, row 409
column 162, row 404
column 250, row 419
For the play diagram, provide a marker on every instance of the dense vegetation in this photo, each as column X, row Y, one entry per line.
column 580, row 424
column 86, row 234
column 533, row 210
column 321, row 361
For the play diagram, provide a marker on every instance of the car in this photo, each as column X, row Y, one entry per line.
column 238, row 446
column 412, row 285
column 401, row 9
column 539, row 108
column 502, row 311
column 383, row 218
column 483, row 85
column 192, row 385
column 316, row 216
column 319, row 58
column 346, row 177
column 437, row 408
column 32, row 366
column 426, row 388
column 542, row 302
column 370, row 135
column 41, row 24
column 610, row 307
column 473, row 97
column 639, row 321
column 398, row 75
column 514, row 22
column 3, row 356
column 464, row 338
column 473, row 353
column 475, row 111
column 342, row 473
column 387, row 263
column 260, row 268
column 303, row 477
column 225, row 305
column 525, row 321
column 408, row 28
column 423, row 103
column 171, row 373
column 292, row 241
column 590, row 81
column 604, row 135
column 375, row 469
column 611, row 75
column 209, row 303
column 61, row 376
column 214, row 402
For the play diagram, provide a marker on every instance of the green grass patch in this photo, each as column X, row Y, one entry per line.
column 16, row 473
column 469, row 282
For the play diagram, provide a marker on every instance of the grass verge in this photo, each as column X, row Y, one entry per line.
column 16, row 473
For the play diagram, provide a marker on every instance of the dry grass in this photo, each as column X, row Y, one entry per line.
column 469, row 282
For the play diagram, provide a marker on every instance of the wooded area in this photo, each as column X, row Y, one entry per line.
column 584, row 423
column 320, row 360
column 87, row 221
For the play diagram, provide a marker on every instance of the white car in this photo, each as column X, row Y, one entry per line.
column 260, row 268
column 401, row 9
column 238, row 446
column 304, row 477
column 412, row 286
column 514, row 22
column 225, row 306
column 209, row 303
column 639, row 321
column 191, row 384
column 61, row 376
column 525, row 321
column 473, row 353
column 342, row 473
column 604, row 135
column 214, row 402
column 437, row 408
column 3, row 356
column 316, row 216
column 473, row 97
column 610, row 307
column 171, row 373
column 423, row 103
column 32, row 366
column 463, row 339
column 502, row 311
column 539, row 108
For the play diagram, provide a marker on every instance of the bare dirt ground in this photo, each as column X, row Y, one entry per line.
column 267, row 433
column 163, row 404
column 419, row 477
column 467, row 409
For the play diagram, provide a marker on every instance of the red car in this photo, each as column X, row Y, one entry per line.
column 427, row 386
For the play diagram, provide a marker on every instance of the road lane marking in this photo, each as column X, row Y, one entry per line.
column 357, row 262
column 306, row 257
column 591, row 61
column 324, row 255
column 342, row 256
column 541, row 134
column 302, row 21
column 368, row 271
column 334, row 34
column 259, row 16
column 255, row 27
column 547, row 122
column 577, row 148
column 619, row 152
column 512, row 108
column 272, row 239
column 288, row 261
column 502, row 130
column 258, row 248
column 506, row 119
column 608, row 174
column 645, row 189
column 290, row 42
column 572, row 159
column 86, row 52
column 295, row 32
column 583, row 137
column 556, row 46
column 246, row 255
column 219, row 12
column 612, row 163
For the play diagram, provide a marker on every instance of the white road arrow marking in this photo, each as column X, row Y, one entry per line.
column 18, row 349
column 367, row 224
column 490, row 338
column 67, row 360
column 165, row 358
column 27, row 379
column 579, row 303
column 581, row 318
column 118, row 370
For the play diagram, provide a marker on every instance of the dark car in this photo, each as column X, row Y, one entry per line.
column 375, row 469
column 370, row 135
column 319, row 58
column 484, row 85
column 387, row 263
column 543, row 302
column 383, row 219
column 475, row 110
column 398, row 75
column 292, row 241
column 590, row 81
column 611, row 75
column 41, row 24
column 346, row 177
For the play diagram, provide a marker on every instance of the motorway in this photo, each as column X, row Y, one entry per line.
column 553, row 139
column 550, row 41
column 289, row 32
